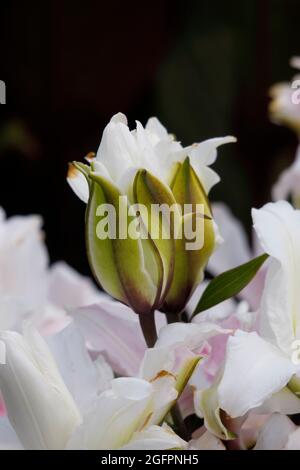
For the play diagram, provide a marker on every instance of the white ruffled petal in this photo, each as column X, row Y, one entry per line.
column 254, row 370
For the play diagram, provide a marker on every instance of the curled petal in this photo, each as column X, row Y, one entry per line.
column 254, row 370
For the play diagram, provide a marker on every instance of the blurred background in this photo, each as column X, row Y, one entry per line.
column 203, row 67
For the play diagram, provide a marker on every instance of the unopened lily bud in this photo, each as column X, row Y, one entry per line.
column 128, row 269
column 191, row 256
column 134, row 213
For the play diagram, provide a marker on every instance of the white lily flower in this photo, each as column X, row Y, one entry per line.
column 135, row 404
column 149, row 167
column 234, row 251
column 257, row 367
column 43, row 412
column 23, row 267
column 127, row 407
column 122, row 152
column 254, row 371
column 28, row 286
column 78, row 411
column 39, row 405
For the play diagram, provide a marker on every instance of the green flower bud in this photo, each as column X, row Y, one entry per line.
column 129, row 269
column 189, row 263
column 154, row 263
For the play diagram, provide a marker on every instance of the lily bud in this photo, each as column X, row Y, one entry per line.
column 190, row 257
column 129, row 269
column 133, row 173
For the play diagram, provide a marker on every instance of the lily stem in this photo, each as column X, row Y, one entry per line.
column 147, row 322
column 175, row 412
column 173, row 317
column 179, row 424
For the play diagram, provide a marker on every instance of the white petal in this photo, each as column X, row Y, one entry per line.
column 156, row 360
column 38, row 403
column 100, row 170
column 78, row 183
column 156, row 130
column 278, row 228
column 155, row 438
column 148, row 156
column 12, row 312
column 164, row 396
column 118, row 149
column 235, row 248
column 68, row 289
column 285, row 402
column 168, row 368
column 254, row 370
column 293, row 441
column 116, row 415
column 80, row 374
column 275, row 433
column 190, row 334
column 113, row 329
column 8, row 438
column 206, row 442
column 49, row 319
column 205, row 154
column 207, row 405
column 23, row 267
column 119, row 117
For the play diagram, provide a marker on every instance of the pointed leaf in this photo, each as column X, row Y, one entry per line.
column 229, row 283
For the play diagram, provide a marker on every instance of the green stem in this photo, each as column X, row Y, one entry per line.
column 147, row 322
column 173, row 317
column 179, row 424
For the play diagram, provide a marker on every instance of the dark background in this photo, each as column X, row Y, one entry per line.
column 203, row 67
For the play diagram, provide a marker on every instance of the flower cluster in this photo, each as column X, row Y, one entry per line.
column 124, row 365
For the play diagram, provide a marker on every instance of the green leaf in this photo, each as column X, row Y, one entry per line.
column 229, row 283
